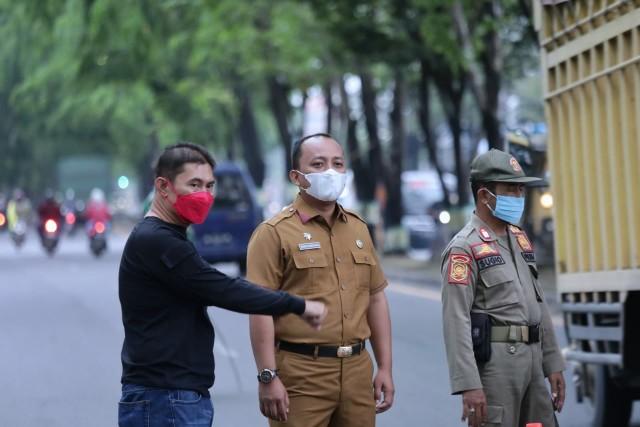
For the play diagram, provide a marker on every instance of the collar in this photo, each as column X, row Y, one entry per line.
column 306, row 213
column 484, row 231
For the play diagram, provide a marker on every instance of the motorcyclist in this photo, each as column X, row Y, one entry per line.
column 49, row 208
column 18, row 209
column 97, row 209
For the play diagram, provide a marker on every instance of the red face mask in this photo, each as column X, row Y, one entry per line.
column 194, row 207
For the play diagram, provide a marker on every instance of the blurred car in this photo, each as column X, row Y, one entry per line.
column 425, row 217
column 224, row 235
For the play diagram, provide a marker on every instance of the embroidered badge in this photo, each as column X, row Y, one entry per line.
column 308, row 246
column 359, row 244
column 515, row 165
column 524, row 243
column 483, row 250
column 490, row 261
column 486, row 236
column 307, row 236
column 459, row 269
column 529, row 256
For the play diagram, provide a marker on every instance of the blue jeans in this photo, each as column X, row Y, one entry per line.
column 142, row 406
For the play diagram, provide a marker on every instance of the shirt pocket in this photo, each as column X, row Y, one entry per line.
column 363, row 262
column 311, row 269
column 499, row 288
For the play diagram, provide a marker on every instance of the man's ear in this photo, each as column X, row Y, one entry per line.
column 162, row 187
column 298, row 179
column 483, row 195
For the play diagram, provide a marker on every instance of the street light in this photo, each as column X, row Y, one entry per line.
column 123, row 182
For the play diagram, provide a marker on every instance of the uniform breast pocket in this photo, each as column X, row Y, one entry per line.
column 311, row 271
column 499, row 288
column 363, row 262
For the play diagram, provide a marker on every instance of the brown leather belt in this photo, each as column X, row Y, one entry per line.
column 322, row 350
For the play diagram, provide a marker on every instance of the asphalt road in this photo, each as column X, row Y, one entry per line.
column 61, row 336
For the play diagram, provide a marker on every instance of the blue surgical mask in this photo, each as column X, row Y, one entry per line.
column 508, row 208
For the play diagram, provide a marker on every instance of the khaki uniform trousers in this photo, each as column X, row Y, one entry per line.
column 327, row 391
column 515, row 387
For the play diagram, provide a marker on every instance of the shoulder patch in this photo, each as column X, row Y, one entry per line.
column 287, row 212
column 459, row 269
column 524, row 243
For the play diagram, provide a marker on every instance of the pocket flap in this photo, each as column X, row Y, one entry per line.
column 360, row 257
column 494, row 414
column 310, row 260
column 494, row 276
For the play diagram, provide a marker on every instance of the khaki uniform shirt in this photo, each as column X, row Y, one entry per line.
column 486, row 274
column 298, row 252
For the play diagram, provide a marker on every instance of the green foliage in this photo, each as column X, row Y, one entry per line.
column 107, row 76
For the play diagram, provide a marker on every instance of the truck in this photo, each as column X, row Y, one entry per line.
column 590, row 55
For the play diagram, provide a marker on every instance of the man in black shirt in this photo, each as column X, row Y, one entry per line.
column 165, row 288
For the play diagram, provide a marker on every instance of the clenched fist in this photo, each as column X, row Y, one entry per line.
column 314, row 313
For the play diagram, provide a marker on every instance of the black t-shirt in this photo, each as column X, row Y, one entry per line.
column 165, row 288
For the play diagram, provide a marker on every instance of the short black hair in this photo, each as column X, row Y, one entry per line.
column 296, row 151
column 172, row 160
column 477, row 185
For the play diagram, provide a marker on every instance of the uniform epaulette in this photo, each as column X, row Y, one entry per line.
column 286, row 212
column 355, row 214
column 515, row 229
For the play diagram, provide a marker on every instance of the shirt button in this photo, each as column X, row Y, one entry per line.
column 366, row 258
column 311, row 260
column 512, row 349
column 346, row 315
column 343, row 287
column 338, row 259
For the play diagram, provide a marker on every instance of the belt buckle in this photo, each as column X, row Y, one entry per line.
column 345, row 351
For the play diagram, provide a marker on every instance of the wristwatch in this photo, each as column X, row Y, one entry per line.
column 266, row 375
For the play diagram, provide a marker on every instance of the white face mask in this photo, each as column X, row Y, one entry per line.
column 326, row 186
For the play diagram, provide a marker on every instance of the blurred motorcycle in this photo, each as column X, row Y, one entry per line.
column 19, row 233
column 50, row 230
column 97, row 232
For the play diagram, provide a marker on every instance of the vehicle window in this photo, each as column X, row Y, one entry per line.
column 231, row 192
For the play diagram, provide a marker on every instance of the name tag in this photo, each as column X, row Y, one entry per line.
column 308, row 246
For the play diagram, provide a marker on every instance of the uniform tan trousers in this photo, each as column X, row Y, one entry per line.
column 515, row 387
column 327, row 391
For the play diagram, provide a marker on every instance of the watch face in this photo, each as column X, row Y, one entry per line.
column 266, row 376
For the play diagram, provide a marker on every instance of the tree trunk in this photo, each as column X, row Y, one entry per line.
column 362, row 174
column 424, row 116
column 278, row 99
column 329, row 102
column 486, row 95
column 462, row 166
column 371, row 124
column 492, row 64
column 451, row 90
column 248, row 135
column 394, row 209
column 147, row 175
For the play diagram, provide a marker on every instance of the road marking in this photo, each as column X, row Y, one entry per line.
column 414, row 291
